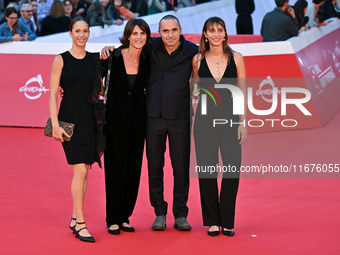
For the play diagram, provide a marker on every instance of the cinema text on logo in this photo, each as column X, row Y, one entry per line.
column 33, row 88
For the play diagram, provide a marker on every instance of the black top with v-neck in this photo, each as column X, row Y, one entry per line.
column 219, row 100
column 230, row 71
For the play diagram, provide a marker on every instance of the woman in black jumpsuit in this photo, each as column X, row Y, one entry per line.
column 218, row 64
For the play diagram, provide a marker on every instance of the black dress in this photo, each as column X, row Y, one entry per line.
column 217, row 209
column 77, row 79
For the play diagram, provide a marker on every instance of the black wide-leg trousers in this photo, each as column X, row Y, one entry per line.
column 178, row 133
column 123, row 161
column 217, row 208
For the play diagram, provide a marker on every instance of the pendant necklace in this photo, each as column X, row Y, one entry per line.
column 217, row 63
column 135, row 63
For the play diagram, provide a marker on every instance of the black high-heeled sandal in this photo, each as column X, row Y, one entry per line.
column 72, row 228
column 83, row 238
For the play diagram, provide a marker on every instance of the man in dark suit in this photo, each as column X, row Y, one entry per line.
column 168, row 116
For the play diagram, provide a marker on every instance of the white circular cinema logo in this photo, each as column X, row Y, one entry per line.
column 266, row 89
column 33, row 88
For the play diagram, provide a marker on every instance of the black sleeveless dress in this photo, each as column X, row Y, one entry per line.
column 77, row 79
column 217, row 209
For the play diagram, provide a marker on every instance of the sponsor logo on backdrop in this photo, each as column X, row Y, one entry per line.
column 321, row 79
column 33, row 88
column 265, row 90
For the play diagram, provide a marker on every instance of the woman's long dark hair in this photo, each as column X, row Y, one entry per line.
column 299, row 9
column 204, row 46
column 8, row 12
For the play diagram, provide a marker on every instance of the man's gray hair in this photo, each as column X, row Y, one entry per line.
column 23, row 6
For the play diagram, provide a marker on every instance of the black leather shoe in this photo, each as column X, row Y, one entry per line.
column 72, row 227
column 159, row 223
column 127, row 229
column 83, row 238
column 114, row 231
column 228, row 233
column 182, row 224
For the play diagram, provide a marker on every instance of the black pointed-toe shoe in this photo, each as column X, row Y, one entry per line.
column 228, row 232
column 114, row 231
column 127, row 229
column 83, row 238
column 214, row 233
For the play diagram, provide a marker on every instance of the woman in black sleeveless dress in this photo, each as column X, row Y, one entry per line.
column 218, row 64
column 125, row 128
column 75, row 72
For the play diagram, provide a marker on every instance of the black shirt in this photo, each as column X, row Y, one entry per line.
column 163, row 55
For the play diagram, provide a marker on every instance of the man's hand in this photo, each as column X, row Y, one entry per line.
column 61, row 92
column 80, row 11
column 118, row 22
column 105, row 53
column 291, row 12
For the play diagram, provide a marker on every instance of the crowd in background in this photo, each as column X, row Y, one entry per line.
column 27, row 19
column 45, row 17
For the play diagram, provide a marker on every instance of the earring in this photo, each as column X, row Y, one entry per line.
column 206, row 40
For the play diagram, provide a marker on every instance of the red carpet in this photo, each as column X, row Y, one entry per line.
column 274, row 216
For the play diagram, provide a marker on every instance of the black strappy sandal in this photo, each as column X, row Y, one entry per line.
column 83, row 238
column 72, row 227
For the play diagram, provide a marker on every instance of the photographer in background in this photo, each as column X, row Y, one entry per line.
column 280, row 24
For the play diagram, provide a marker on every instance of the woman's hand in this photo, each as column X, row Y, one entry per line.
column 58, row 133
column 105, row 53
column 25, row 36
column 17, row 37
column 242, row 132
column 195, row 91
